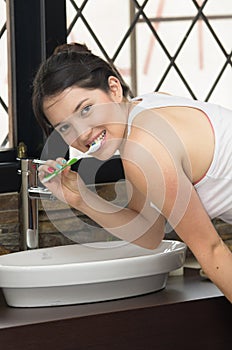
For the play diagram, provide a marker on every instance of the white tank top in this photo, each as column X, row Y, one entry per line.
column 215, row 188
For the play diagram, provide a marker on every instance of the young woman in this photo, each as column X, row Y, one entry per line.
column 176, row 154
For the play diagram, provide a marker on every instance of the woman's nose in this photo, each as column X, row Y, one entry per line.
column 82, row 130
column 85, row 135
column 78, row 134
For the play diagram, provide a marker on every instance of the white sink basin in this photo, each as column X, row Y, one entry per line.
column 86, row 273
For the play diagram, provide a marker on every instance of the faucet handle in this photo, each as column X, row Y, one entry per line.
column 39, row 161
column 40, row 192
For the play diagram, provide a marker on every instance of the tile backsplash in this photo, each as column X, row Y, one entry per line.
column 75, row 226
column 9, row 222
column 54, row 216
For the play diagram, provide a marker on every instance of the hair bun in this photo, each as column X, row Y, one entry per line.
column 72, row 47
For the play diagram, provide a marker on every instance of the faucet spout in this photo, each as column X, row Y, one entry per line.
column 30, row 193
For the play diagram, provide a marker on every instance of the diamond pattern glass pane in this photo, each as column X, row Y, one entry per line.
column 182, row 46
column 90, row 23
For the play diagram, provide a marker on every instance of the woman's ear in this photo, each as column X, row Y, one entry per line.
column 115, row 88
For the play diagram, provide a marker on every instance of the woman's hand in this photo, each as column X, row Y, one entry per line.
column 66, row 186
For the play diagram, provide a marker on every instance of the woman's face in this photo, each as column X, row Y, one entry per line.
column 84, row 116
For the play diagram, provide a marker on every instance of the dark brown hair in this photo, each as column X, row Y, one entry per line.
column 70, row 65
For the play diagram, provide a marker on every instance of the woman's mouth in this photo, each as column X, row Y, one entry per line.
column 96, row 143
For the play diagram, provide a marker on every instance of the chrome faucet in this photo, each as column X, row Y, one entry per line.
column 30, row 193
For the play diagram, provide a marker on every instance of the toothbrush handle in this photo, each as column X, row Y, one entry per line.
column 48, row 178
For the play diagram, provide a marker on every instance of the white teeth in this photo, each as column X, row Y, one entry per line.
column 99, row 138
column 96, row 144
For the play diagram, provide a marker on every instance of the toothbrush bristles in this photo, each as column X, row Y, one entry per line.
column 94, row 147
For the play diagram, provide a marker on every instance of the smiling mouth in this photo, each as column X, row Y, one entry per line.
column 98, row 140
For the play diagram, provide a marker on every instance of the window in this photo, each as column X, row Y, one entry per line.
column 165, row 45
column 161, row 45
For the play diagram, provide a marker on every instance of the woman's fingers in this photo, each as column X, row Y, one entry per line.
column 50, row 166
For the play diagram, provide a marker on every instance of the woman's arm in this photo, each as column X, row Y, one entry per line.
column 198, row 232
column 170, row 189
column 138, row 222
column 185, row 212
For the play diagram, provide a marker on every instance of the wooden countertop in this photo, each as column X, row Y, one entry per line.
column 189, row 307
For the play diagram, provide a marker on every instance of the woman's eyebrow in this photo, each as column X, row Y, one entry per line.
column 79, row 104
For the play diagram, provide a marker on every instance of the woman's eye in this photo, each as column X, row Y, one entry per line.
column 63, row 128
column 85, row 110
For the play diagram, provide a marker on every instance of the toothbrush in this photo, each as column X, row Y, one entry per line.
column 58, row 171
column 96, row 144
column 93, row 148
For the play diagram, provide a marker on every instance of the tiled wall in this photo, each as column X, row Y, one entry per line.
column 9, row 222
column 61, row 216
column 56, row 217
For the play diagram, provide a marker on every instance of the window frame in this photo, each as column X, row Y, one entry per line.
column 33, row 32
